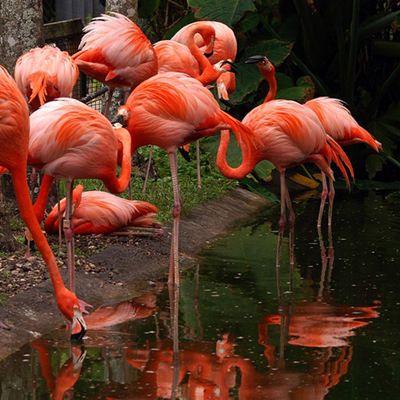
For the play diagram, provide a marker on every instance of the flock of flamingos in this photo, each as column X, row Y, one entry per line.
column 167, row 104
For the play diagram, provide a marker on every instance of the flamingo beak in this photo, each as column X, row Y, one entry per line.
column 255, row 59
column 232, row 66
column 78, row 325
column 120, row 121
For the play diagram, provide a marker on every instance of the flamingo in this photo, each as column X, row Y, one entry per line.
column 44, row 74
column 97, row 212
column 170, row 110
column 14, row 135
column 225, row 48
column 334, row 116
column 117, row 53
column 291, row 135
column 70, row 140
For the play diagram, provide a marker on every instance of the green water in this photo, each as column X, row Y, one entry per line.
column 331, row 331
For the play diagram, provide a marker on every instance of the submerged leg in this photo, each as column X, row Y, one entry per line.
column 174, row 260
column 324, row 195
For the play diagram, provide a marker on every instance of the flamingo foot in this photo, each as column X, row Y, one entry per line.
column 83, row 305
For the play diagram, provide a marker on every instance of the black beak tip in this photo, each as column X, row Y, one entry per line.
column 208, row 55
column 120, row 120
column 226, row 102
column 254, row 59
column 76, row 337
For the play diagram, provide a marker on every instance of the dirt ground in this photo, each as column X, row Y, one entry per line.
column 109, row 268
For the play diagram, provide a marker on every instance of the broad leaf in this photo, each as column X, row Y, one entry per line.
column 227, row 11
column 373, row 164
column 301, row 93
column 258, row 189
column 147, row 7
column 186, row 20
column 375, row 24
column 263, row 170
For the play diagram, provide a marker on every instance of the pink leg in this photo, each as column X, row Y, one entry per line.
column 174, row 260
column 198, row 165
column 69, row 236
column 331, row 197
column 282, row 220
column 324, row 195
column 108, row 103
column 148, row 170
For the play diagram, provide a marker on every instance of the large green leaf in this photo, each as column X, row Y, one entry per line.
column 186, row 20
column 227, row 11
column 147, row 7
column 375, row 24
column 303, row 92
column 258, row 189
column 249, row 77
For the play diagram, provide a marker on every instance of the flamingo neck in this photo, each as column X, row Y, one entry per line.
column 118, row 185
column 194, row 49
column 27, row 214
column 269, row 75
column 246, row 166
column 209, row 75
column 39, row 207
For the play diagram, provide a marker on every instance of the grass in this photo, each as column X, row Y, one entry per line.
column 3, row 300
column 159, row 191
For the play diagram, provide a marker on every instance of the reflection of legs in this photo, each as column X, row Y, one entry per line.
column 324, row 195
column 174, row 259
column 291, row 226
column 176, row 359
column 282, row 220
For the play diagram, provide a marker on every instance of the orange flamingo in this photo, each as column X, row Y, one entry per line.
column 117, row 53
column 225, row 48
column 170, row 110
column 291, row 135
column 335, row 118
column 70, row 140
column 97, row 212
column 44, row 74
column 14, row 134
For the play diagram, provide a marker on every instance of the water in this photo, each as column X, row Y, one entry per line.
column 328, row 330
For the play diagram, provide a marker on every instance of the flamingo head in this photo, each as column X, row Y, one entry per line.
column 263, row 63
column 69, row 305
column 122, row 116
column 210, row 39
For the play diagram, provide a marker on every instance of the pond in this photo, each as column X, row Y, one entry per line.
column 326, row 328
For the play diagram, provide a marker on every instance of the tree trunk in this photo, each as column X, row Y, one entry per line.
column 21, row 29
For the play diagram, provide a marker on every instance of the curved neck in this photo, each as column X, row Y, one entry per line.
column 39, row 207
column 27, row 214
column 246, row 166
column 114, row 184
column 210, row 75
column 206, row 32
column 269, row 74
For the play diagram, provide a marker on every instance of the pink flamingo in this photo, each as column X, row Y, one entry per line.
column 97, row 212
column 170, row 110
column 70, row 140
column 44, row 74
column 14, row 135
column 291, row 135
column 117, row 53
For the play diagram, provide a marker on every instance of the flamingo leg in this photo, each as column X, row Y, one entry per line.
column 324, row 195
column 331, row 197
column 147, row 170
column 174, row 260
column 108, row 103
column 198, row 165
column 59, row 215
column 69, row 236
column 282, row 220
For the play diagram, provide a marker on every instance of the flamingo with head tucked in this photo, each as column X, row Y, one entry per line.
column 14, row 136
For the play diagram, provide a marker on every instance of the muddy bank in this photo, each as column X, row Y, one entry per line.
column 124, row 268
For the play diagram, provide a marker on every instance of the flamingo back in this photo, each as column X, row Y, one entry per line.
column 72, row 141
column 47, row 73
column 115, row 51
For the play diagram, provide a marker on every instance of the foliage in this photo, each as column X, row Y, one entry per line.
column 344, row 49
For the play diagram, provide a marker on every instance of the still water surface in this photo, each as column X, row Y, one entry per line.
column 327, row 329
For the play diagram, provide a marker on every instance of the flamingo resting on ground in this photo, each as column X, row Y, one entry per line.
column 334, row 116
column 14, row 136
column 170, row 110
column 117, row 53
column 97, row 212
column 291, row 135
column 70, row 140
column 45, row 74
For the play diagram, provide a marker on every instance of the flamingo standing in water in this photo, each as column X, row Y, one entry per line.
column 97, row 212
column 14, row 136
column 70, row 140
column 334, row 116
column 170, row 110
column 291, row 135
column 117, row 53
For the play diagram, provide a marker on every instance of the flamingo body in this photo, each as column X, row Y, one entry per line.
column 44, row 74
column 14, row 135
column 116, row 52
column 97, row 212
